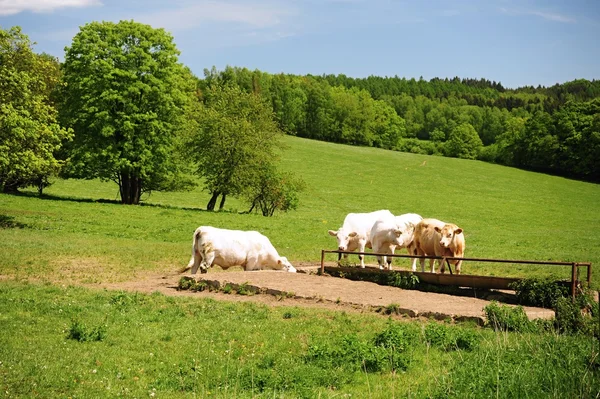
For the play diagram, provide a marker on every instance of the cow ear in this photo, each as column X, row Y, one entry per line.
column 279, row 262
column 332, row 233
column 437, row 229
column 458, row 231
column 353, row 234
column 398, row 232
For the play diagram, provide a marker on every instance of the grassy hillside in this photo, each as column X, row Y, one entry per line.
column 505, row 212
column 71, row 341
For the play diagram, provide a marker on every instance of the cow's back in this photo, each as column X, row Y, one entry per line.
column 231, row 247
column 362, row 223
column 408, row 219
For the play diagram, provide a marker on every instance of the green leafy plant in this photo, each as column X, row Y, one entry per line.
column 507, row 318
column 243, row 289
column 542, row 292
column 80, row 332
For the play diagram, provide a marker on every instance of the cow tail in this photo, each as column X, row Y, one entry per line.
column 195, row 260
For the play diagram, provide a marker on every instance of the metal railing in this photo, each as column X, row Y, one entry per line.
column 574, row 265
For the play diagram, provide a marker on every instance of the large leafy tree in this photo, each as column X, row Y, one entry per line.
column 463, row 142
column 236, row 139
column 29, row 132
column 124, row 96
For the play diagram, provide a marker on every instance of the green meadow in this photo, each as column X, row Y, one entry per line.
column 58, row 339
column 505, row 212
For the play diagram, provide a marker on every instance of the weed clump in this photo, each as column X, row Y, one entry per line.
column 448, row 339
column 539, row 292
column 506, row 318
column 189, row 283
column 80, row 332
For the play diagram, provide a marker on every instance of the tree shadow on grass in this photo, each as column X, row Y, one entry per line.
column 53, row 197
column 9, row 222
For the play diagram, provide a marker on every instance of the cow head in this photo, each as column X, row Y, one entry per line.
column 404, row 236
column 286, row 265
column 202, row 266
column 447, row 234
column 343, row 238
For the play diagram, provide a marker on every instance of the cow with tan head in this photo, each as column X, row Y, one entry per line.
column 433, row 237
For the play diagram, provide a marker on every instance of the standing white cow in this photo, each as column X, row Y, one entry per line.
column 354, row 233
column 226, row 248
column 388, row 233
column 436, row 238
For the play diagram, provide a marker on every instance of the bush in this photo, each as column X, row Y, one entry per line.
column 395, row 339
column 405, row 282
column 79, row 332
column 189, row 283
column 463, row 142
column 506, row 318
column 351, row 354
column 417, row 146
column 539, row 292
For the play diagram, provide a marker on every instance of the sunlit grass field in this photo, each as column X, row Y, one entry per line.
column 505, row 213
column 61, row 340
column 65, row 341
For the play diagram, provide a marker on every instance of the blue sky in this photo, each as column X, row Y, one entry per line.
column 516, row 42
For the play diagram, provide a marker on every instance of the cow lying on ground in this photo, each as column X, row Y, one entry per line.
column 354, row 233
column 436, row 238
column 226, row 248
column 388, row 233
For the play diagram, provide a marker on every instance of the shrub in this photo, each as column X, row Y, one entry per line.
column 506, row 318
column 351, row 353
column 405, row 282
column 447, row 338
column 465, row 339
column 243, row 289
column 417, row 146
column 395, row 339
column 437, row 335
column 539, row 292
column 79, row 332
column 574, row 318
column 189, row 283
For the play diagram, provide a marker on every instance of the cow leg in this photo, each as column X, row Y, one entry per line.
column 432, row 265
column 380, row 261
column 361, row 248
column 252, row 263
column 442, row 265
column 389, row 258
column 457, row 267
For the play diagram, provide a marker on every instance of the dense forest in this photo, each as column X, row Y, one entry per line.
column 122, row 107
column 549, row 129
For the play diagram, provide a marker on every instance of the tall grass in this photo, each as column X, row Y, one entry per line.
column 158, row 346
column 505, row 213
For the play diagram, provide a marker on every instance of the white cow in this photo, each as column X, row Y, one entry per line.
column 436, row 238
column 226, row 248
column 354, row 233
column 388, row 233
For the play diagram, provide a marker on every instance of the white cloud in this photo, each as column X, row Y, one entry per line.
column 10, row 7
column 550, row 16
column 257, row 15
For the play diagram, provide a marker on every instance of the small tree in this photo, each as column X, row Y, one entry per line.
column 124, row 96
column 236, row 140
column 463, row 142
column 273, row 191
column 29, row 132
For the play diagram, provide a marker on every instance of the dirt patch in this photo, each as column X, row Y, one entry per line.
column 303, row 289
